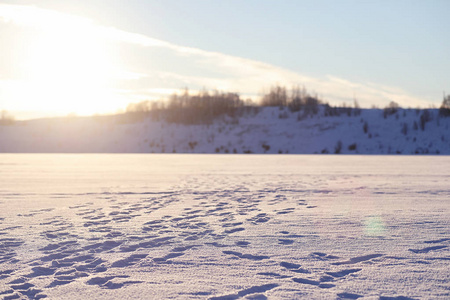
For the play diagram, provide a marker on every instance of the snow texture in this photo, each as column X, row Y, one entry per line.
column 224, row 227
column 265, row 130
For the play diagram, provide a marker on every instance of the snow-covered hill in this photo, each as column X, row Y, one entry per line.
column 265, row 130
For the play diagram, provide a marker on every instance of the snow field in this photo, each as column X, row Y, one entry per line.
column 224, row 227
column 270, row 130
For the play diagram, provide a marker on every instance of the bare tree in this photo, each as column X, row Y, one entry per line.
column 6, row 118
column 444, row 110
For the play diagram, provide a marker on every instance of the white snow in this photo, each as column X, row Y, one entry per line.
column 270, row 130
column 187, row 226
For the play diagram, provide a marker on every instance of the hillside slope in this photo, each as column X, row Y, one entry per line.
column 266, row 130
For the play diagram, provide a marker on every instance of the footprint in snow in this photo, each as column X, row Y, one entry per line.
column 233, row 230
column 358, row 259
column 129, row 261
column 323, row 256
column 242, row 244
column 428, row 249
column 313, row 282
column 348, row 296
column 285, row 241
column 286, row 211
column 246, row 256
column 249, row 291
column 258, row 219
column 108, row 283
column 294, row 267
column 343, row 273
column 437, row 241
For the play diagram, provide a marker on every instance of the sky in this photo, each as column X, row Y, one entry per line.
column 94, row 57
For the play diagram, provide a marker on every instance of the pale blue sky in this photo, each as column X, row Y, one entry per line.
column 377, row 51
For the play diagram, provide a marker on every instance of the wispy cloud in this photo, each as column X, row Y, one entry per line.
column 197, row 68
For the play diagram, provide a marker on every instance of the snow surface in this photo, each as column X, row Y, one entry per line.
column 184, row 226
column 269, row 130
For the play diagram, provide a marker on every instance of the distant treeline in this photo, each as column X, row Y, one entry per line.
column 203, row 107
column 206, row 106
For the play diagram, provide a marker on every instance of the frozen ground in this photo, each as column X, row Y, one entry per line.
column 224, row 227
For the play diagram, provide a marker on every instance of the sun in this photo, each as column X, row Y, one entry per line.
column 59, row 64
column 70, row 69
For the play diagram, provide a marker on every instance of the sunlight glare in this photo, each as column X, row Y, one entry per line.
column 70, row 69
